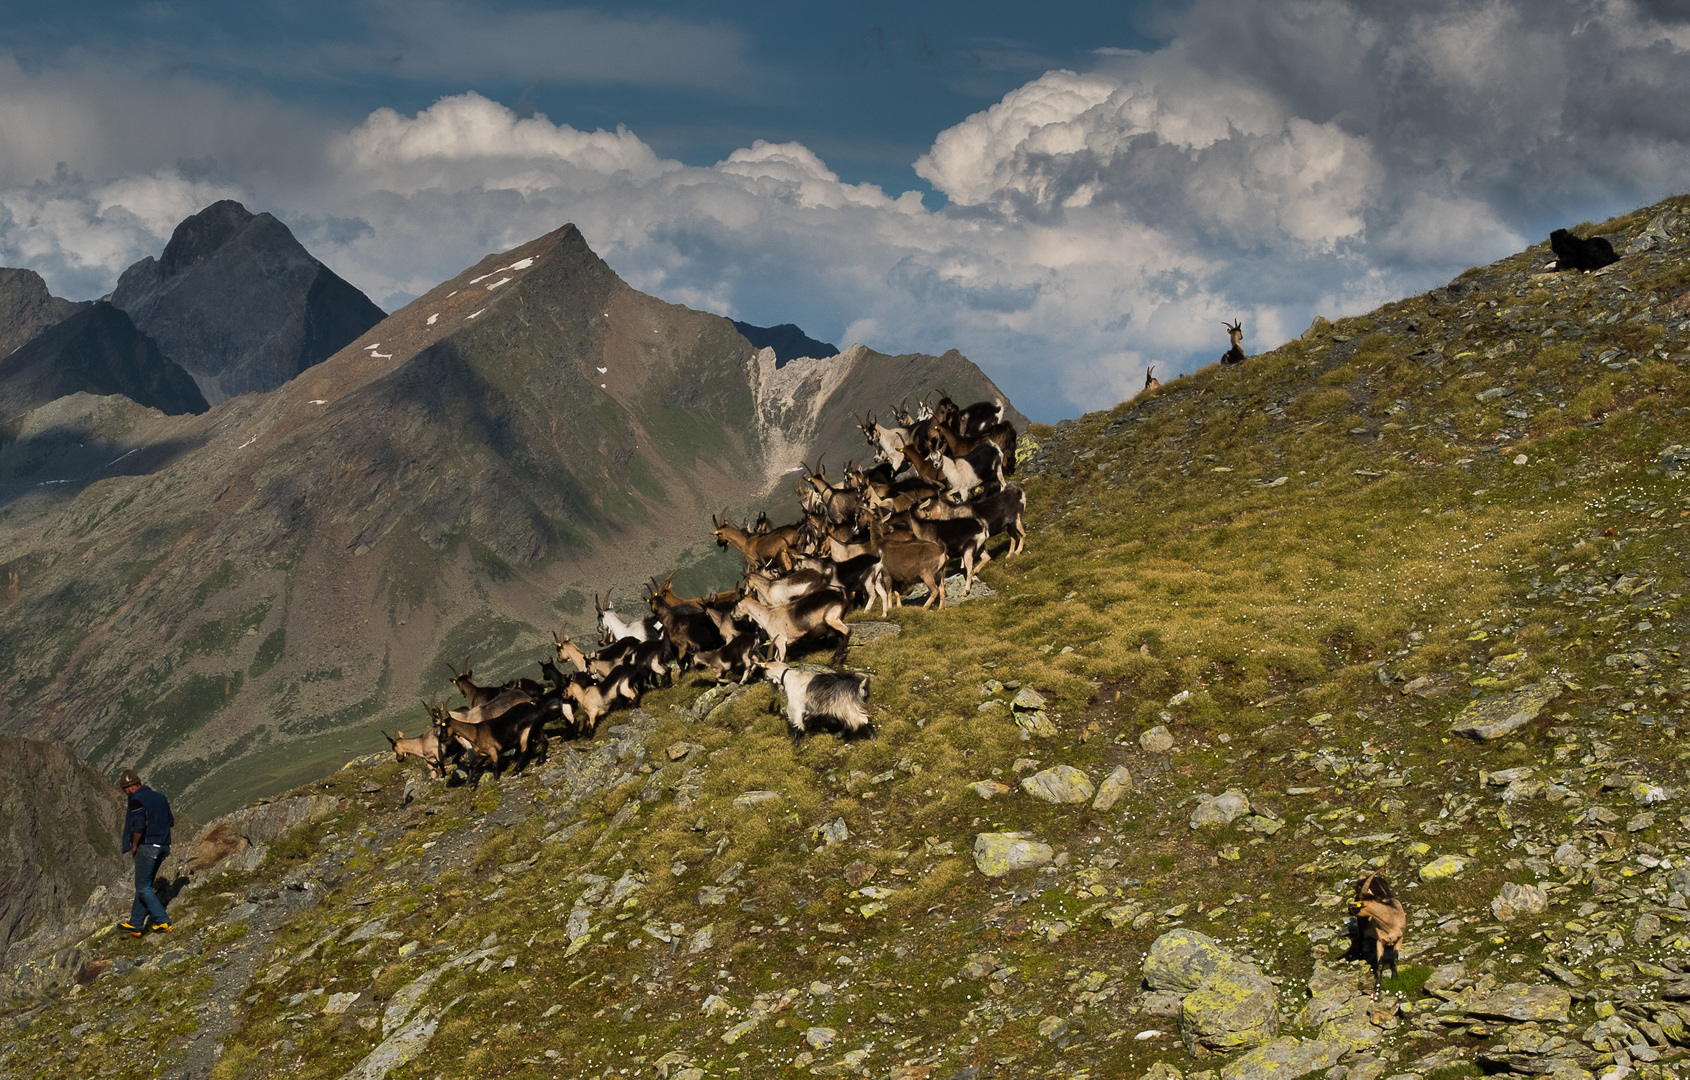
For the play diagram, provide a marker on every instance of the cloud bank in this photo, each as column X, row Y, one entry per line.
column 1270, row 163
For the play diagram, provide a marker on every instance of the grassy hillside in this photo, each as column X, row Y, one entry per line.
column 1303, row 569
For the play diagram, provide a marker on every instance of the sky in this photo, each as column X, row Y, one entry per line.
column 1069, row 193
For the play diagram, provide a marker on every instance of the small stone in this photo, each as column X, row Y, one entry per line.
column 859, row 872
column 979, row 966
column 754, row 798
column 1028, row 699
column 820, row 1038
column 997, row 854
column 1222, row 809
column 1158, row 740
column 1493, row 717
column 1445, row 866
column 988, row 789
column 1647, row 928
column 1515, row 900
column 738, row 1031
column 1181, row 960
column 1114, row 786
column 1517, row 1001
column 1059, row 784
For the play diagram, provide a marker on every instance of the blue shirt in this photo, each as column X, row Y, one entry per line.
column 149, row 814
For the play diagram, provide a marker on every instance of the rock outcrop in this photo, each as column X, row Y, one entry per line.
column 59, row 825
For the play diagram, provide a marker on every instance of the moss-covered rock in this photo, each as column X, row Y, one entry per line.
column 1235, row 1009
column 1182, row 960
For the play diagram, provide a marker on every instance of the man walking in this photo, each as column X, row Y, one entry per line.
column 146, row 838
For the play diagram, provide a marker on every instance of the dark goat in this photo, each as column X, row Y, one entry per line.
column 1572, row 253
column 733, row 657
column 822, row 701
column 1001, row 511
column 1151, row 382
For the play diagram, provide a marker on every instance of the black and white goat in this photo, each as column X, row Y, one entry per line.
column 822, row 701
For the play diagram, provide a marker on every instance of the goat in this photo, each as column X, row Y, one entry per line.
column 1381, row 918
column 1574, row 253
column 964, row 539
column 426, row 746
column 686, row 623
column 614, row 628
column 1002, row 436
column 838, row 503
column 906, row 562
column 785, row 588
column 822, row 701
column 972, row 420
column 593, row 700
column 961, row 475
column 1001, row 511
column 488, row 738
column 807, row 617
column 1235, row 331
column 758, row 549
column 886, row 441
column 1151, row 382
column 465, row 682
column 732, row 657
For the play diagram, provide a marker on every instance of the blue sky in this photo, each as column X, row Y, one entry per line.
column 1068, row 192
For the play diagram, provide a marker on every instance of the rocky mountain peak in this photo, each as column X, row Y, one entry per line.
column 197, row 238
column 27, row 308
column 239, row 302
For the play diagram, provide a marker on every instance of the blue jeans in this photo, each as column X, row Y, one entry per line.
column 147, row 903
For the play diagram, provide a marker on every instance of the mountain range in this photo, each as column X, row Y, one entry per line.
column 220, row 596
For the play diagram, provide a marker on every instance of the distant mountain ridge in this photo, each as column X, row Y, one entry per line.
column 97, row 350
column 787, row 340
column 251, row 583
column 238, row 302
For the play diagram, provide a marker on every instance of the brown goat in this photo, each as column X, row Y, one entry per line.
column 1381, row 919
column 1234, row 355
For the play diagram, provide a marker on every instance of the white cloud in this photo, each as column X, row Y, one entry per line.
column 470, row 139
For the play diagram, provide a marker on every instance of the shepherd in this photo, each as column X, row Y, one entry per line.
column 146, row 839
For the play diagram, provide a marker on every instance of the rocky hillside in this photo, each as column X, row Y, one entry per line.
column 27, row 308
column 240, row 303
column 1404, row 596
column 59, row 825
column 219, row 599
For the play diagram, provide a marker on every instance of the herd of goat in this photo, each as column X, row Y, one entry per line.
column 871, row 537
column 935, row 495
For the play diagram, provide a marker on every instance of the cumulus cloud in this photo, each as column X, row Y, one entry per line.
column 1270, row 163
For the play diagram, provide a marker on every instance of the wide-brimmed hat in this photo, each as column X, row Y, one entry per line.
column 129, row 779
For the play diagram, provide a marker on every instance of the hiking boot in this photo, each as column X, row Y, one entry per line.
column 161, row 928
column 132, row 931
